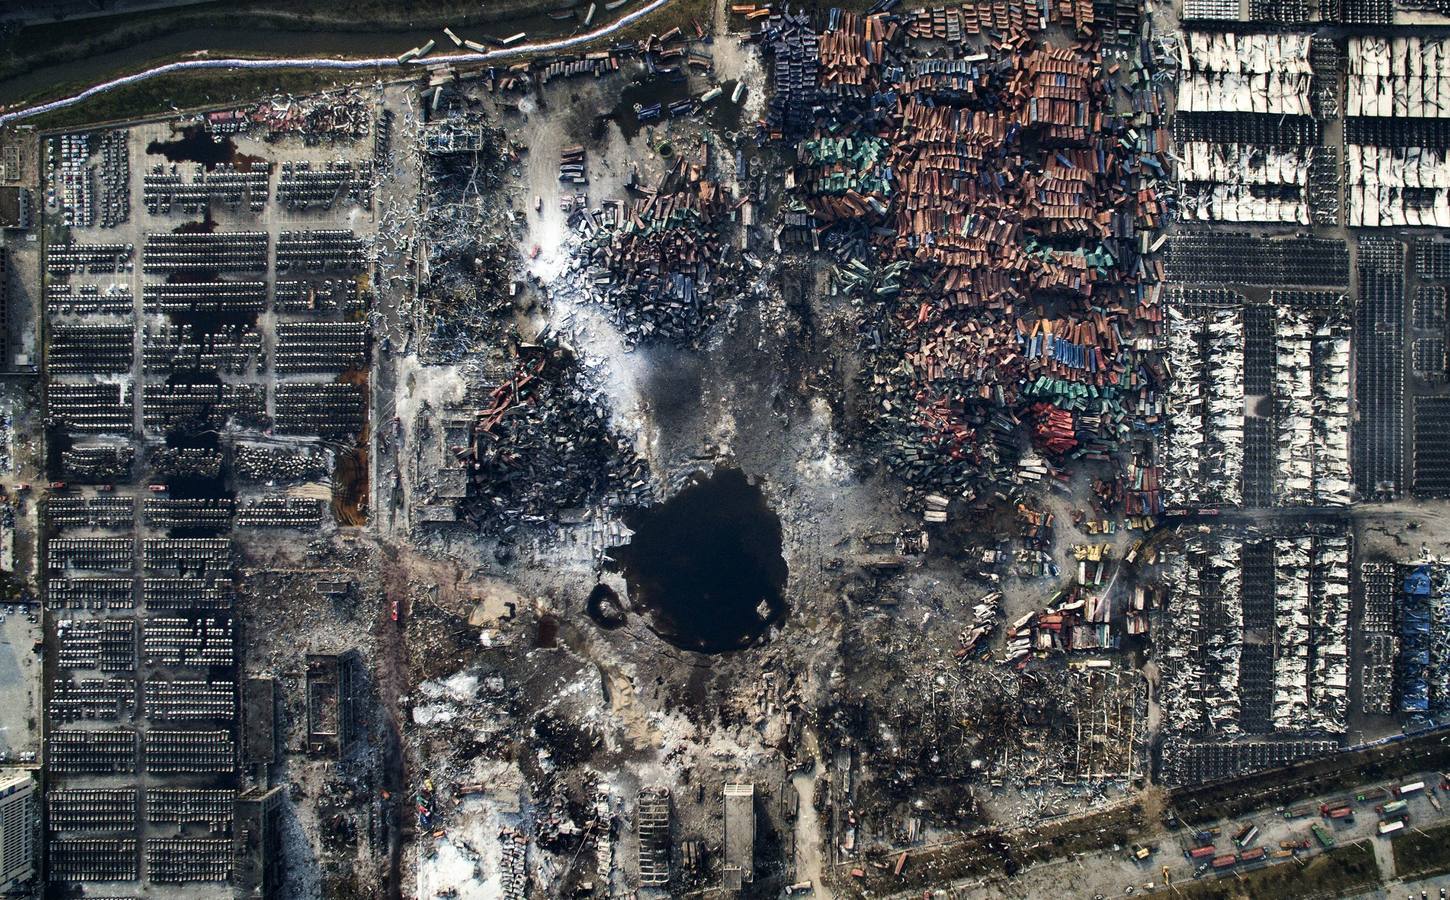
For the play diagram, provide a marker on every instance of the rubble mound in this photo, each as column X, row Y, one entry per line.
column 705, row 567
column 657, row 267
column 543, row 445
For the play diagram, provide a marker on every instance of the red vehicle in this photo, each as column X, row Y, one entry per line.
column 1223, row 862
column 57, row 485
column 1253, row 855
column 1201, row 852
column 1336, row 812
column 156, row 488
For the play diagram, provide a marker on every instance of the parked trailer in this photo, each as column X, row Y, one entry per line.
column 1253, row 855
column 1201, row 852
column 1336, row 812
column 1413, row 787
column 1392, row 827
column 1297, row 812
column 1394, row 806
column 1225, row 861
column 1246, row 836
column 1326, row 840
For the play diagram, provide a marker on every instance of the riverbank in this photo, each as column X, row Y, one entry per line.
column 233, row 79
column 39, row 62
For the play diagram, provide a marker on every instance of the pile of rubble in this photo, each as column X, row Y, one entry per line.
column 662, row 264
column 543, row 445
column 334, row 116
column 466, row 282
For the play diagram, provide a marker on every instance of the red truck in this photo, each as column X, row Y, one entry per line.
column 1336, row 812
column 1201, row 852
column 1223, row 862
column 1253, row 855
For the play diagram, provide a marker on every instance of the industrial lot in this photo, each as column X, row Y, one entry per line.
column 990, row 450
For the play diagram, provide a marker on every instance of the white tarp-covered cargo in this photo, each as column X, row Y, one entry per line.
column 1398, row 77
column 1311, row 395
column 1396, row 186
column 1203, row 639
column 1262, row 73
column 1218, row 181
column 1204, row 455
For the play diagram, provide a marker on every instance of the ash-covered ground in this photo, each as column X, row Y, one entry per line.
column 557, row 669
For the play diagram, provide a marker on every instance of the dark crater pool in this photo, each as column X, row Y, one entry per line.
column 705, row 568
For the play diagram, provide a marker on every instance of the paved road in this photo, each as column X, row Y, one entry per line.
column 386, row 62
column 1273, row 828
column 1111, row 873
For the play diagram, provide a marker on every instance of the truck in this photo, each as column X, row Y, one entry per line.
column 1294, row 845
column 1370, row 795
column 1413, row 787
column 1336, row 812
column 1326, row 840
column 1391, row 827
column 1205, row 852
column 1394, row 806
column 1225, row 861
column 1253, row 855
column 1246, row 835
column 1296, row 812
